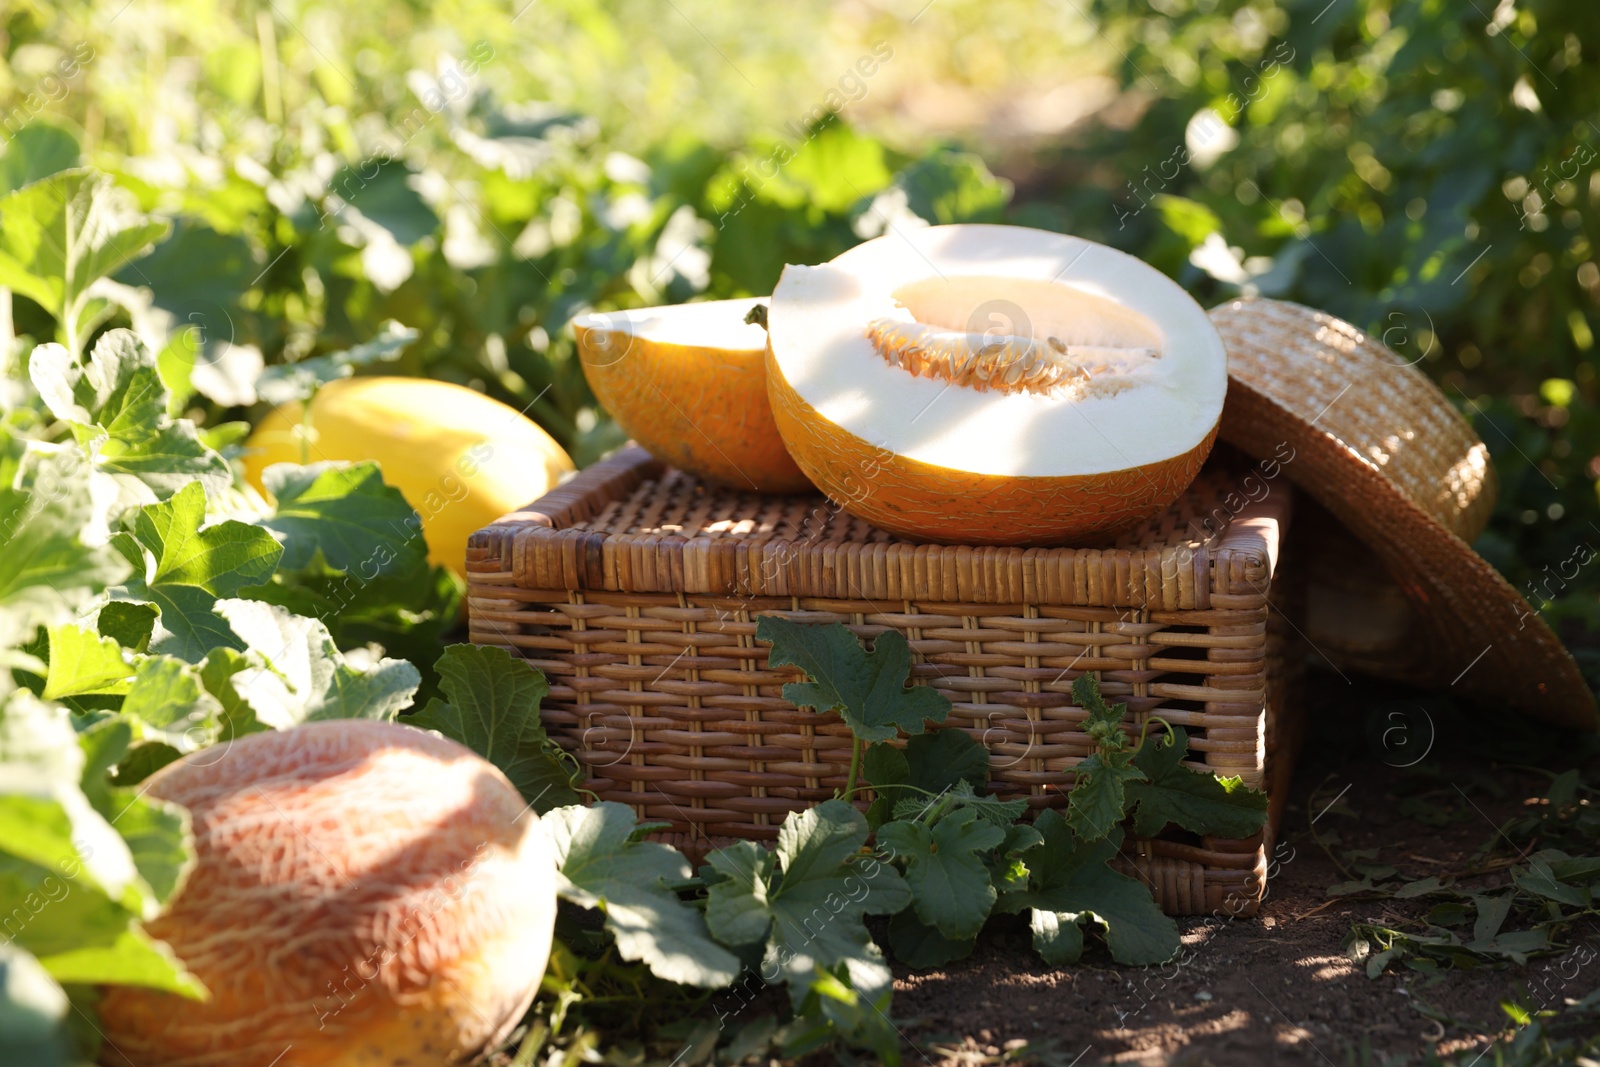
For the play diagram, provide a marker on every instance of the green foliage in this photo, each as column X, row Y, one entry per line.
column 867, row 689
column 491, row 705
column 1070, row 883
column 805, row 904
column 1098, row 796
column 1169, row 792
column 604, row 864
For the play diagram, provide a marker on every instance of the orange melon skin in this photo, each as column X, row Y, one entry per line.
column 927, row 503
column 364, row 895
column 703, row 410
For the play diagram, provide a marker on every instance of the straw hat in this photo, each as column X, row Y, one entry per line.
column 1377, row 444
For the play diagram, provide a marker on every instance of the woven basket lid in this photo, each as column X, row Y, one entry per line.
column 1378, row 445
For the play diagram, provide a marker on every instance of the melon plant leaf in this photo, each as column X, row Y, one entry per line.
column 950, row 884
column 133, row 958
column 58, row 849
column 83, row 662
column 823, row 866
column 35, row 1014
column 183, row 569
column 363, row 527
column 996, row 812
column 36, row 151
column 1098, row 799
column 1057, row 937
column 810, row 915
column 1010, row 870
column 1194, row 800
column 603, row 863
column 48, row 574
column 1072, row 879
column 157, row 833
column 61, row 234
column 289, row 383
column 867, row 689
column 168, row 703
column 930, row 764
column 217, row 672
column 920, row 946
column 1097, row 802
column 382, row 190
column 491, row 705
column 129, row 625
column 116, row 405
column 296, row 673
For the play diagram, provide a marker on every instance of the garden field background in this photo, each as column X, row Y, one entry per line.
column 293, row 180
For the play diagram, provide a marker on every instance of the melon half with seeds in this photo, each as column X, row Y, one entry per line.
column 993, row 384
column 689, row 383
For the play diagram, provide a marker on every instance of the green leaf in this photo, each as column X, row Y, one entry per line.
column 47, row 573
column 217, row 674
column 49, row 830
column 1097, row 802
column 156, row 832
column 949, row 882
column 169, row 704
column 491, row 705
column 117, row 407
column 36, row 151
column 132, row 959
column 83, row 663
column 60, row 235
column 289, row 383
column 158, row 836
column 297, row 674
column 361, row 525
column 34, row 1014
column 1057, row 937
column 382, row 190
column 920, row 946
column 1538, row 878
column 948, row 187
column 604, row 864
column 812, row 914
column 1195, row 800
column 129, row 625
column 867, row 689
column 1072, row 879
column 999, row 813
column 183, row 569
column 929, row 765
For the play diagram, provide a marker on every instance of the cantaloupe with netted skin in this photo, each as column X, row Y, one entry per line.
column 993, row 384
column 689, row 383
column 364, row 894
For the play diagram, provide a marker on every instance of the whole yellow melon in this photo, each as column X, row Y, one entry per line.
column 460, row 458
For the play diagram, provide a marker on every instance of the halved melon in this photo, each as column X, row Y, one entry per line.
column 993, row 384
column 689, row 383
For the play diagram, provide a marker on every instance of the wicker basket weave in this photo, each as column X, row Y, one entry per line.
column 636, row 590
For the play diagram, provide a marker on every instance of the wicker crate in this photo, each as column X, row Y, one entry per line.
column 636, row 589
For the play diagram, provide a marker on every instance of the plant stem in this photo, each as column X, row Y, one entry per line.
column 856, row 748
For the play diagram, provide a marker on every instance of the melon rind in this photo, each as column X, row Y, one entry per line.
column 937, row 504
column 700, row 407
column 922, row 450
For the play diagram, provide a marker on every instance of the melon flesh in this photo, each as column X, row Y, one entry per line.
column 689, row 383
column 993, row 384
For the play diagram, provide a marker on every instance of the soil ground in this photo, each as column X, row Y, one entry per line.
column 1278, row 988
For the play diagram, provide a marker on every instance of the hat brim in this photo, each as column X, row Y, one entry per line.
column 1483, row 638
